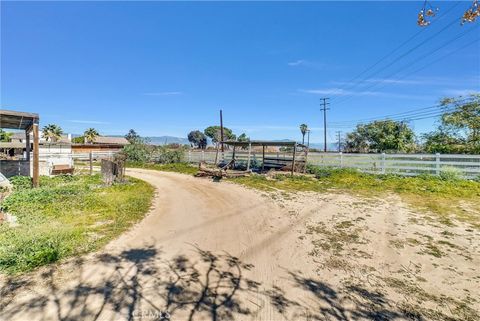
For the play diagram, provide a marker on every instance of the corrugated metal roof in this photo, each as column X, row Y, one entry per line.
column 12, row 145
column 110, row 140
column 17, row 120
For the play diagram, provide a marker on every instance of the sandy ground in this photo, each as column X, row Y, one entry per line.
column 218, row 251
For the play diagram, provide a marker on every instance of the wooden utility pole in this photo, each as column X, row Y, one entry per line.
column 36, row 169
column 221, row 129
column 324, row 109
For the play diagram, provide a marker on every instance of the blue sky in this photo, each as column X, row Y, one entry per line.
column 167, row 68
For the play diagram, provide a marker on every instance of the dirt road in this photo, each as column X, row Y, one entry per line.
column 217, row 251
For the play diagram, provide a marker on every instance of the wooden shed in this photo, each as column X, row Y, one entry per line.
column 28, row 122
column 293, row 158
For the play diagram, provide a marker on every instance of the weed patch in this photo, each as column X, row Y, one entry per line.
column 61, row 218
column 445, row 198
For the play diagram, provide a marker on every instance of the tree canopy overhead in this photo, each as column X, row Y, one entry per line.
column 459, row 129
column 213, row 132
column 381, row 136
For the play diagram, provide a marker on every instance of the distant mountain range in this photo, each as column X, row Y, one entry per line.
column 165, row 140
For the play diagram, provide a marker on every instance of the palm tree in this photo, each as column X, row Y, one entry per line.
column 52, row 132
column 303, row 130
column 90, row 135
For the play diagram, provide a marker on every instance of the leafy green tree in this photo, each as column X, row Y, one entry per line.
column 381, row 136
column 133, row 137
column 465, row 115
column 90, row 135
column 459, row 129
column 78, row 140
column 243, row 138
column 214, row 133
column 442, row 141
column 303, row 130
column 198, row 139
column 52, row 132
column 5, row 136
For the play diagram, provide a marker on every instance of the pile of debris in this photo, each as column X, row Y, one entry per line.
column 205, row 171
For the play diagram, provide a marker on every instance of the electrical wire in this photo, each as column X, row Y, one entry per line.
column 389, row 77
column 398, row 58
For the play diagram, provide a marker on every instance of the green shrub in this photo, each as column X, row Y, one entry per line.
column 166, row 156
column 323, row 172
column 138, row 152
column 21, row 182
column 449, row 173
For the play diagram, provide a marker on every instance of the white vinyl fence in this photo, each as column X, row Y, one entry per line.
column 401, row 164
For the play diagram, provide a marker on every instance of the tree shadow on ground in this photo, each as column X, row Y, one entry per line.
column 140, row 284
column 350, row 303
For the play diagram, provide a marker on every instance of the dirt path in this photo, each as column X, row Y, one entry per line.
column 217, row 251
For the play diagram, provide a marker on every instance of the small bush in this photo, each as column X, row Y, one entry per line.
column 451, row 174
column 167, row 156
column 21, row 182
column 138, row 152
column 323, row 172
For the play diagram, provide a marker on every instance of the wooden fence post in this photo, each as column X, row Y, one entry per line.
column 90, row 159
column 383, row 163
column 263, row 158
column 36, row 156
column 249, row 154
column 437, row 163
column 293, row 160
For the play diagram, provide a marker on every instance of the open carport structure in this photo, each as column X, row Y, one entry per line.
column 29, row 123
column 294, row 156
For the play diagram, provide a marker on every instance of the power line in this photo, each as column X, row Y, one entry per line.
column 405, row 117
column 467, row 45
column 347, row 97
column 410, row 113
column 405, row 113
column 399, row 57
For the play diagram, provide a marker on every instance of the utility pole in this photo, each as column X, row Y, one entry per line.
column 221, row 129
column 324, row 109
column 339, row 133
